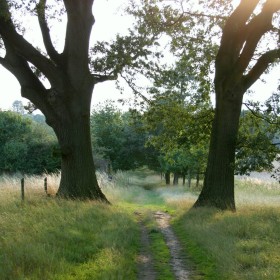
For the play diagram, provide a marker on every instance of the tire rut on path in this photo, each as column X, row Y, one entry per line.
column 177, row 261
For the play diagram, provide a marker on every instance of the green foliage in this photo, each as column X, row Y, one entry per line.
column 179, row 130
column 255, row 134
column 259, row 131
column 186, row 33
column 25, row 145
column 176, row 133
column 129, row 56
column 192, row 30
column 118, row 137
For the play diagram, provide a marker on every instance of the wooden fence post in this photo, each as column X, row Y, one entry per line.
column 46, row 185
column 22, row 189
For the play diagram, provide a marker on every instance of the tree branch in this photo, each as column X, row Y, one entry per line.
column 275, row 144
column 137, row 92
column 103, row 78
column 41, row 10
column 262, row 117
column 233, row 38
column 205, row 15
column 261, row 65
column 4, row 62
column 78, row 30
column 23, row 47
column 31, row 86
column 257, row 27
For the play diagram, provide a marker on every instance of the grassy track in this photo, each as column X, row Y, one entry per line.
column 46, row 238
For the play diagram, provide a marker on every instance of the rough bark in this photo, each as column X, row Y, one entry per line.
column 218, row 189
column 78, row 178
column 66, row 104
column 233, row 76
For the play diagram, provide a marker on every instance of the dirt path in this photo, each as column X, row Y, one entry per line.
column 146, row 269
column 180, row 271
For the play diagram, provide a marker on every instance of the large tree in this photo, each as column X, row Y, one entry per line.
column 66, row 104
column 249, row 46
column 71, row 74
column 239, row 64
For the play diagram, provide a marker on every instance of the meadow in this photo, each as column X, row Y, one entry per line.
column 49, row 238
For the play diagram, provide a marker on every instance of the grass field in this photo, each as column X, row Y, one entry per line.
column 48, row 238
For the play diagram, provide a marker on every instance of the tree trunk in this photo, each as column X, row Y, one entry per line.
column 184, row 179
column 197, row 179
column 175, row 179
column 189, row 178
column 236, row 70
column 218, row 188
column 66, row 104
column 167, row 178
column 78, row 178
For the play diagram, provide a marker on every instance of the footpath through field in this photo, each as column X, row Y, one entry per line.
column 161, row 255
column 161, row 252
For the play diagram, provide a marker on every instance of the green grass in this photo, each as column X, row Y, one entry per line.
column 48, row 238
column 161, row 255
column 158, row 248
column 67, row 240
column 242, row 245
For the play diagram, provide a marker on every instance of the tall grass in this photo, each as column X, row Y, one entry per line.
column 49, row 238
column 241, row 245
column 257, row 192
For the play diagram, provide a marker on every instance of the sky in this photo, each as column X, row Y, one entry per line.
column 109, row 22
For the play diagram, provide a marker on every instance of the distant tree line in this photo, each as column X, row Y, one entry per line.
column 27, row 144
column 172, row 136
